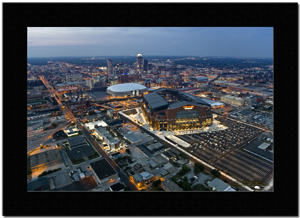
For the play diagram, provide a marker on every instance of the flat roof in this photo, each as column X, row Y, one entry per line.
column 76, row 141
column 103, row 169
column 116, row 187
column 172, row 186
column 145, row 150
column 155, row 100
column 219, row 184
column 133, row 138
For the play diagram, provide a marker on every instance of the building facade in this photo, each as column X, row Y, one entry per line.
column 139, row 62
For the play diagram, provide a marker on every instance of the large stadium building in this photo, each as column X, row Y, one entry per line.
column 126, row 89
column 168, row 110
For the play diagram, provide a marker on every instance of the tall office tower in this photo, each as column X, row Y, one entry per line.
column 139, row 62
column 145, row 64
column 90, row 83
column 109, row 67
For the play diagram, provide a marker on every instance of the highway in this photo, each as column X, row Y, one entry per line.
column 70, row 115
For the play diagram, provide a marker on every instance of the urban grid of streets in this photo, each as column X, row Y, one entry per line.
column 261, row 171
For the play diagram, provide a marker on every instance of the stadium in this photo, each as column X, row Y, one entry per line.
column 171, row 110
column 126, row 89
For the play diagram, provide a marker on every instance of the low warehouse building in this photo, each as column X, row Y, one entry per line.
column 133, row 138
column 103, row 171
column 219, row 185
column 76, row 142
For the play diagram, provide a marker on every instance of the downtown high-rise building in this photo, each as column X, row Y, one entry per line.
column 139, row 62
column 109, row 67
column 145, row 64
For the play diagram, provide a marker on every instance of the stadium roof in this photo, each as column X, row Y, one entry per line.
column 196, row 99
column 155, row 100
column 126, row 87
column 201, row 78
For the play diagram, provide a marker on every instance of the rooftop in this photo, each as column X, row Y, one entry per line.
column 171, row 185
column 76, row 141
column 103, row 169
column 133, row 138
column 116, row 187
column 219, row 184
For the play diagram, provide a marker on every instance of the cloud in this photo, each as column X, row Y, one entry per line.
column 232, row 41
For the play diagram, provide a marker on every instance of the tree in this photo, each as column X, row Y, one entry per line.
column 198, row 168
column 156, row 183
column 186, row 186
column 186, row 169
column 127, row 189
column 225, row 180
column 215, row 173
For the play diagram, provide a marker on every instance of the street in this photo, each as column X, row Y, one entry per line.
column 70, row 115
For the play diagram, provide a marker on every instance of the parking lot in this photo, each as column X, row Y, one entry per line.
column 62, row 180
column 220, row 150
column 211, row 145
column 245, row 167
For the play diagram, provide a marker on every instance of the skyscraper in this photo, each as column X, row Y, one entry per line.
column 139, row 62
column 109, row 67
column 145, row 64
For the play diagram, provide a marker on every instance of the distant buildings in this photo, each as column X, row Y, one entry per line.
column 145, row 65
column 237, row 101
column 90, row 83
column 74, row 78
column 109, row 67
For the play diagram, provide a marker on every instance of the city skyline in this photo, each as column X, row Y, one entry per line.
column 194, row 41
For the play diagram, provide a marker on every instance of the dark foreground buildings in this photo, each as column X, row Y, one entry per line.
column 169, row 110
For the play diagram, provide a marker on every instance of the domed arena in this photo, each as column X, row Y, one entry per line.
column 126, row 89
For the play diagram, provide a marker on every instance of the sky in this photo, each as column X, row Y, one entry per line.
column 115, row 41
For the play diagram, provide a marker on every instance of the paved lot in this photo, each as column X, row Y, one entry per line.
column 202, row 179
column 62, row 180
column 44, row 158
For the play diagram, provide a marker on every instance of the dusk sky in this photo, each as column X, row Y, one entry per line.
column 191, row 41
